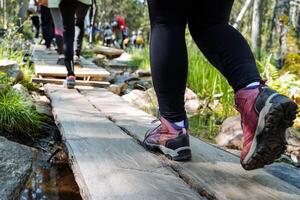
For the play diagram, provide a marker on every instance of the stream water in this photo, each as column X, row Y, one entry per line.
column 51, row 181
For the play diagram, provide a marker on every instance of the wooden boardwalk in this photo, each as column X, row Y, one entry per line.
column 47, row 71
column 103, row 134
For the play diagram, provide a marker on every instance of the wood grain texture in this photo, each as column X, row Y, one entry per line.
column 211, row 169
column 78, row 82
column 60, row 71
column 107, row 163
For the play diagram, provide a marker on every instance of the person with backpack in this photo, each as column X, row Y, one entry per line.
column 107, row 35
column 47, row 24
column 34, row 16
column 73, row 14
column 53, row 5
column 265, row 113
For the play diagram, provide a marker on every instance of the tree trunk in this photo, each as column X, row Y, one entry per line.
column 271, row 30
column 295, row 15
column 282, row 12
column 256, row 27
column 241, row 14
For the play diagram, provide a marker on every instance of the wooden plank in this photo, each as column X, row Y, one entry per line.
column 43, row 60
column 60, row 71
column 78, row 82
column 211, row 169
column 107, row 163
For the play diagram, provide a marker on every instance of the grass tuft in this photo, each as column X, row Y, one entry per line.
column 18, row 118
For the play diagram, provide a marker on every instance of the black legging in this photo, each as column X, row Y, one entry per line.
column 223, row 46
column 47, row 26
column 70, row 8
column 36, row 23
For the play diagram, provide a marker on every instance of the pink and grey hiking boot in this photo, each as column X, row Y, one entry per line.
column 171, row 140
column 265, row 116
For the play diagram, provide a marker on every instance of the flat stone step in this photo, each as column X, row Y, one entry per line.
column 213, row 172
column 107, row 163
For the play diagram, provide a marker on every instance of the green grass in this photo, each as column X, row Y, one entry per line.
column 209, row 84
column 18, row 119
column 140, row 58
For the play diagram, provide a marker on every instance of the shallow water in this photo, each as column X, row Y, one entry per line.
column 50, row 181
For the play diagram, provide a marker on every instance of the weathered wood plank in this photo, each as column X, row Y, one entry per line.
column 78, row 82
column 107, row 163
column 60, row 71
column 211, row 169
column 45, row 65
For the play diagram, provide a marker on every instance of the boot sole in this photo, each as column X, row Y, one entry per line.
column 179, row 154
column 270, row 141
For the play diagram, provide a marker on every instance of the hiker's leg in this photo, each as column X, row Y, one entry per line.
column 265, row 114
column 81, row 12
column 223, row 45
column 58, row 29
column 169, row 56
column 169, row 72
column 47, row 26
column 36, row 24
column 67, row 8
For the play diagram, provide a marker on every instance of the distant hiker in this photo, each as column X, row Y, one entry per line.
column 133, row 39
column 107, row 35
column 73, row 13
column 53, row 5
column 120, row 31
column 47, row 24
column 265, row 113
column 139, row 40
column 34, row 16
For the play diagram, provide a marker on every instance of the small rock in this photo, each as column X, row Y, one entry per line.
column 292, row 140
column 100, row 61
column 42, row 104
column 231, row 133
column 100, row 56
column 117, row 89
column 110, row 52
column 147, row 101
column 125, row 78
column 295, row 156
column 190, row 95
column 124, row 58
column 15, row 168
column 21, row 90
column 141, row 100
column 12, row 69
column 142, row 73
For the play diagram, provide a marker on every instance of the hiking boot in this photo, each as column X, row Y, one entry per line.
column 170, row 139
column 265, row 116
column 70, row 82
